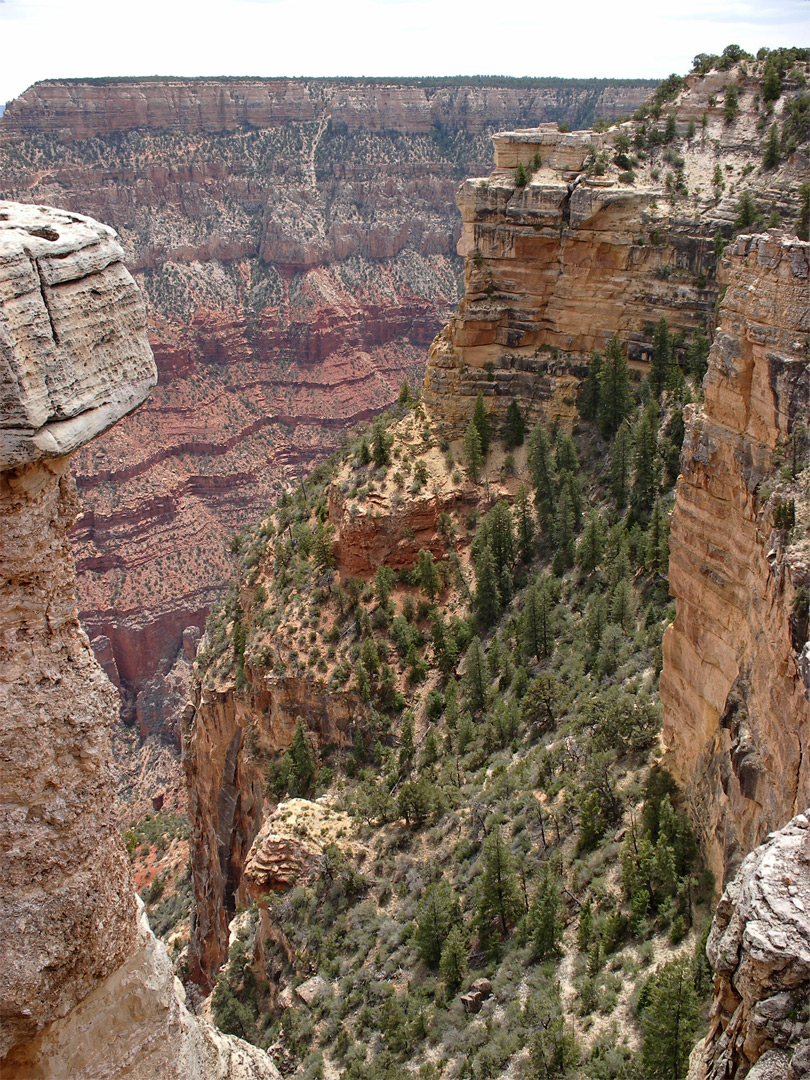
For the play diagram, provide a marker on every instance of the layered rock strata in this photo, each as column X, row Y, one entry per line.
column 295, row 240
column 736, row 710
column 80, row 967
column 759, row 948
column 566, row 245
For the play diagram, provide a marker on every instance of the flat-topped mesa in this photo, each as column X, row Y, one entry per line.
column 87, row 991
column 736, row 680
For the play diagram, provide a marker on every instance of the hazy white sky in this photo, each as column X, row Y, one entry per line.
column 42, row 39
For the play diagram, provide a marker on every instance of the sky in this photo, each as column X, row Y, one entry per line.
column 41, row 39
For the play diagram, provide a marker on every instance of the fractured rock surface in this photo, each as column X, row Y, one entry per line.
column 759, row 948
column 87, row 991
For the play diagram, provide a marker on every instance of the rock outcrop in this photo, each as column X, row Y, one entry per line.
column 87, row 991
column 566, row 245
column 736, row 709
column 759, row 948
column 296, row 243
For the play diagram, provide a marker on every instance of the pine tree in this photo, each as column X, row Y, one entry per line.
column 405, row 395
column 771, row 157
column 406, row 747
column 616, row 399
column 454, row 960
column 383, row 583
column 514, row 428
column 473, row 456
column 596, row 621
column 564, row 526
column 656, row 541
column 731, row 104
column 590, row 393
column 476, row 676
column 379, row 446
column 428, row 574
column 669, row 1021
column 622, row 610
column 698, row 355
column 301, row 759
column 620, row 457
column 645, row 460
column 541, row 702
column 592, row 544
column 363, row 456
column 500, row 534
column 566, row 455
column 545, row 919
column 499, row 900
column 661, row 358
column 436, row 913
column 803, row 220
column 488, row 592
column 525, row 524
column 483, row 423
column 538, row 460
column 585, row 928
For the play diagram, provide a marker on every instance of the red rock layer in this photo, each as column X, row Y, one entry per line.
column 736, row 711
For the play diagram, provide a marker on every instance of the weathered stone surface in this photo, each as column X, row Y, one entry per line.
column 759, row 947
column 736, row 710
column 135, row 1023
column 74, row 355
column 86, row 990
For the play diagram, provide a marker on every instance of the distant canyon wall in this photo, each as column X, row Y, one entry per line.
column 295, row 240
column 736, row 676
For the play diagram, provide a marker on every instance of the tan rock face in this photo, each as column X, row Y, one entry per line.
column 86, row 991
column 759, row 948
column 736, row 711
column 584, row 249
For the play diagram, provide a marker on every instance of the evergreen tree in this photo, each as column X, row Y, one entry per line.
column 537, row 624
column 591, row 389
column 803, row 220
column 436, row 913
column 473, row 456
column 428, row 574
column 545, row 919
column 771, row 157
column 499, row 900
column 616, row 399
column 622, row 610
column 645, row 459
column 383, row 583
column 363, row 456
column 406, row 747
column 488, row 592
column 302, row 768
column 498, row 534
column 564, row 526
column 405, row 395
column 567, row 459
column 591, row 544
column 453, row 963
column 669, row 1021
column 749, row 216
column 585, row 928
column 596, row 621
column 661, row 358
column 483, row 423
column 538, row 460
column 445, row 651
column 540, row 703
column 698, row 355
column 380, row 450
column 525, row 524
column 476, row 676
column 772, row 83
column 620, row 457
column 731, row 104
column 514, row 428
column 656, row 541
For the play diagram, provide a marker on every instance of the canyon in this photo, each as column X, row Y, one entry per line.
column 295, row 240
column 79, row 960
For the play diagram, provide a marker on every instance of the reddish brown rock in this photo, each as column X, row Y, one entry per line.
column 736, row 710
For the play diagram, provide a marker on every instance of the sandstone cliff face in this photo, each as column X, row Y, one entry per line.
column 295, row 240
column 586, row 248
column 736, row 711
column 78, row 966
column 759, row 948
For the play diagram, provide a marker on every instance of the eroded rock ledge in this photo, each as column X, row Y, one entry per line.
column 87, row 991
column 736, row 710
column 759, row 948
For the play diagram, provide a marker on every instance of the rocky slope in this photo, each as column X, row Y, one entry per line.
column 759, row 948
column 295, row 240
column 87, row 990
column 600, row 234
column 734, row 687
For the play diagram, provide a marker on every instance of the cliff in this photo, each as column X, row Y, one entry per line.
column 87, row 990
column 571, row 239
column 295, row 240
column 759, row 948
column 736, row 711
